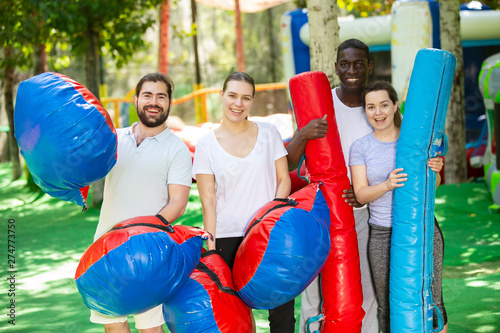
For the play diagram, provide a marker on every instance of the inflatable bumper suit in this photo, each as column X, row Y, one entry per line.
column 138, row 265
column 341, row 276
column 421, row 138
column 283, row 249
column 65, row 135
column 208, row 303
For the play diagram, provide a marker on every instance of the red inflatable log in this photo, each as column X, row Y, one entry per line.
column 341, row 276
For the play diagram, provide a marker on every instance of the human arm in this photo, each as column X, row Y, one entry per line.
column 283, row 182
column 436, row 164
column 366, row 193
column 350, row 198
column 315, row 129
column 178, row 196
column 206, row 189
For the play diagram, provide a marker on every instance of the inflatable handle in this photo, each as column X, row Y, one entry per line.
column 439, row 319
column 315, row 318
column 302, row 159
column 312, row 320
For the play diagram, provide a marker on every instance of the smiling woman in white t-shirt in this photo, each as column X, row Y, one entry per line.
column 239, row 167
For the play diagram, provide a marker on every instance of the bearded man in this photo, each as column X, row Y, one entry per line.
column 152, row 175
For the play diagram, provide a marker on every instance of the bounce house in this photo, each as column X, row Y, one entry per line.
column 489, row 83
column 395, row 39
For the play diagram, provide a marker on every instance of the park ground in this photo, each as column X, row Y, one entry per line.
column 51, row 235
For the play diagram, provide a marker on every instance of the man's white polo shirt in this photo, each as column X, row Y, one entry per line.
column 137, row 184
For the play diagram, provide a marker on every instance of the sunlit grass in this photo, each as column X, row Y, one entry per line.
column 51, row 236
column 485, row 329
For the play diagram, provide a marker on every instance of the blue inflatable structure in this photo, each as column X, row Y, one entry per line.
column 66, row 136
column 422, row 137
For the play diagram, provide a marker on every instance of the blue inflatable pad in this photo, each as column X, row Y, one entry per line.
column 66, row 137
column 421, row 138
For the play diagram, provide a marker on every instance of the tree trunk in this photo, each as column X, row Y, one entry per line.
column 455, row 166
column 92, row 78
column 272, row 53
column 9, row 109
column 240, row 55
column 195, row 42
column 40, row 61
column 92, row 61
column 324, row 37
column 4, row 148
column 163, row 52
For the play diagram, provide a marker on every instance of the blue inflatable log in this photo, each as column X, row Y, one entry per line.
column 421, row 138
column 137, row 265
column 285, row 246
column 66, row 137
column 207, row 302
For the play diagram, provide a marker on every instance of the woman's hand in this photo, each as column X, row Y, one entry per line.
column 396, row 179
column 210, row 244
column 436, row 164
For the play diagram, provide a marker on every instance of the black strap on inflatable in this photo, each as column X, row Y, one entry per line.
column 204, row 268
column 287, row 202
column 162, row 219
column 166, row 228
column 208, row 253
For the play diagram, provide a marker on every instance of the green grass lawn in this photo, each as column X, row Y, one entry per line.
column 51, row 235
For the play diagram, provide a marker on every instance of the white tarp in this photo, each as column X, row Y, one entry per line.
column 248, row 6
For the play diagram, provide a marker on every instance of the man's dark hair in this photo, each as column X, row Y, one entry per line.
column 354, row 43
column 239, row 76
column 156, row 77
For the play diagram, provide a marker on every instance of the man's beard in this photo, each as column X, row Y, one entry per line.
column 153, row 122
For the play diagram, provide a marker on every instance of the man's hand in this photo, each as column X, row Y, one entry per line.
column 350, row 198
column 315, row 129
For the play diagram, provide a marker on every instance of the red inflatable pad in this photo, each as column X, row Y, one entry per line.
column 208, row 301
column 341, row 277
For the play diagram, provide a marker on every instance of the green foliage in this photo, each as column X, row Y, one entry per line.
column 17, row 31
column 365, row 8
column 493, row 4
column 119, row 25
column 64, row 26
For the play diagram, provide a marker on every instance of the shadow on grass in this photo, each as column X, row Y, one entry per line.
column 472, row 233
column 51, row 236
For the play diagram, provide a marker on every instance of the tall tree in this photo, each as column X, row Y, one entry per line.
column 324, row 37
column 272, row 53
column 16, row 30
column 9, row 108
column 455, row 166
column 194, row 29
column 98, row 27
